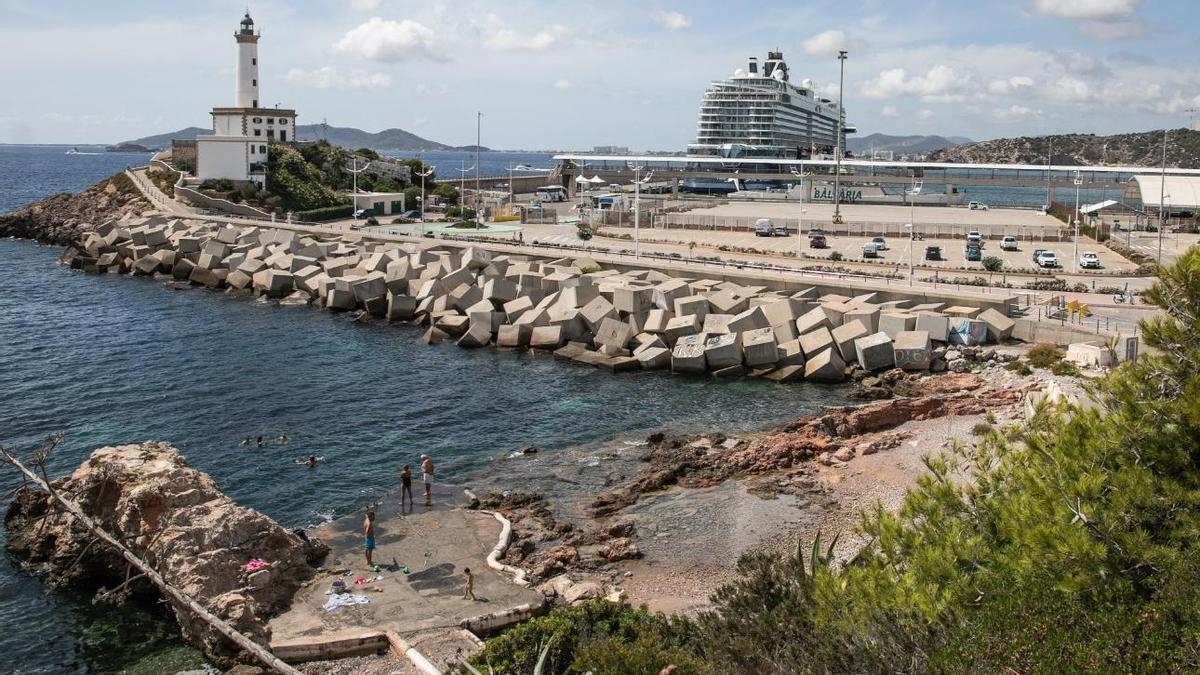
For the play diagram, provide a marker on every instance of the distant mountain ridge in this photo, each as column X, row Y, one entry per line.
column 348, row 137
column 1142, row 148
column 901, row 145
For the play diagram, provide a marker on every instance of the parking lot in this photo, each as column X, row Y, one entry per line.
column 851, row 248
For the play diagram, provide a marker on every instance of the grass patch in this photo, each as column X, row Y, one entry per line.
column 1018, row 367
column 1064, row 369
column 1044, row 355
column 981, row 429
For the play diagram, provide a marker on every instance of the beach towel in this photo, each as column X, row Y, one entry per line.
column 344, row 600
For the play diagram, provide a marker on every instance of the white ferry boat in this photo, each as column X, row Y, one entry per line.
column 760, row 113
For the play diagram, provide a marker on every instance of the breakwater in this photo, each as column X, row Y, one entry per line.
column 620, row 320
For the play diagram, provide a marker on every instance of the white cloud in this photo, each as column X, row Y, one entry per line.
column 828, row 43
column 1010, row 85
column 1086, row 9
column 329, row 77
column 365, row 5
column 1109, row 31
column 390, row 41
column 889, row 111
column 924, row 114
column 507, row 39
column 1069, row 89
column 1014, row 113
column 672, row 20
column 563, row 84
column 941, row 83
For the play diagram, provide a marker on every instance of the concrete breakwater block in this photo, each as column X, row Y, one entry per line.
column 961, row 312
column 722, row 351
column 478, row 334
column 867, row 315
column 654, row 358
column 688, row 354
column 657, row 320
column 273, row 283
column 825, row 366
column 434, row 336
column 816, row 341
column 729, row 371
column 511, row 335
column 792, row 373
column 967, row 332
column 693, row 305
column 813, row 319
column 913, row 350
column 844, row 337
column 613, row 334
column 894, row 323
column 759, row 347
column 716, row 323
column 341, row 299
column 999, row 327
column 633, row 300
column 401, row 307
column 546, row 337
column 934, row 323
column 238, row 279
column 453, row 324
column 681, row 326
column 751, row 319
column 790, row 354
column 875, row 352
column 596, row 311
column 667, row 292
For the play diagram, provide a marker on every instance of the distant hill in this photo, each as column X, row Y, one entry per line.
column 388, row 140
column 901, row 145
column 1136, row 149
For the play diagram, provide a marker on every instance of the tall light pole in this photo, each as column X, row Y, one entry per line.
column 462, row 184
column 1049, row 157
column 354, row 171
column 1075, row 217
column 637, row 208
column 478, row 127
column 841, row 130
column 912, row 221
column 423, row 175
column 800, row 221
column 1162, row 196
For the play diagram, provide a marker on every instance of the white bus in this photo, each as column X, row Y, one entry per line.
column 551, row 193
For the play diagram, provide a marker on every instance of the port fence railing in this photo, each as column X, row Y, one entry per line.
column 690, row 221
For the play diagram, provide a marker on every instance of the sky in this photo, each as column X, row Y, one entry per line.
column 568, row 74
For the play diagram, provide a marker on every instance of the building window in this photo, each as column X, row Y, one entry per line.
column 254, row 61
column 258, row 120
column 254, row 83
column 254, row 104
column 262, row 149
column 282, row 135
column 258, row 132
column 282, row 120
column 270, row 120
column 270, row 133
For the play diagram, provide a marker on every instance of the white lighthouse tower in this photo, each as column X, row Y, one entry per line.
column 240, row 143
column 247, row 64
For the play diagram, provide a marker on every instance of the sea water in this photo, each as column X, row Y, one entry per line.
column 112, row 359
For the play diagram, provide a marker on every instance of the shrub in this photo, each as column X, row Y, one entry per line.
column 372, row 220
column 836, row 256
column 992, row 263
column 1044, row 355
column 1065, row 369
column 326, row 213
column 981, row 429
column 1018, row 367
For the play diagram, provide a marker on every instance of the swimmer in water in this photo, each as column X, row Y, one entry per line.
column 311, row 461
column 261, row 442
column 247, row 440
column 283, row 439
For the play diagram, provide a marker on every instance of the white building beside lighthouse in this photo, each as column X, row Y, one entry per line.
column 242, row 135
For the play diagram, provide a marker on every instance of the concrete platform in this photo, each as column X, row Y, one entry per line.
column 435, row 543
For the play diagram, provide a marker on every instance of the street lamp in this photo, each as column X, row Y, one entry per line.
column 354, row 171
column 800, row 221
column 911, row 240
column 912, row 221
column 478, row 127
column 837, row 158
column 462, row 184
column 637, row 210
column 1162, row 195
column 423, row 176
column 1075, row 216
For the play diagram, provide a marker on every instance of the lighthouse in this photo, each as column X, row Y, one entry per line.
column 247, row 64
column 240, row 143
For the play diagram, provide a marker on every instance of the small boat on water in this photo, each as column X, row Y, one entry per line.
column 73, row 151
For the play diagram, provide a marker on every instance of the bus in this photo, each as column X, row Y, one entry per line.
column 551, row 193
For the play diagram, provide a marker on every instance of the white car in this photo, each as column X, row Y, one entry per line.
column 1047, row 259
column 977, row 206
column 974, row 238
column 1008, row 244
column 1089, row 259
column 880, row 243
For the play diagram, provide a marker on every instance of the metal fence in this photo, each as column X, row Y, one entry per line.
column 692, row 221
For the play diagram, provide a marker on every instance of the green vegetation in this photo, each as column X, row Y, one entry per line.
column 1018, row 367
column 461, row 212
column 992, row 263
column 297, row 183
column 1044, row 355
column 327, row 213
column 1067, row 546
column 164, row 180
column 836, row 256
column 446, row 192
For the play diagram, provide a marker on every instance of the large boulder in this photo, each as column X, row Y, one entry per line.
column 165, row 511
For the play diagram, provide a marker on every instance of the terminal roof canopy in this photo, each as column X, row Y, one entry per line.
column 1180, row 192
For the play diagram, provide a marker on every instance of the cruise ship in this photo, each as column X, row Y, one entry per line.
column 760, row 113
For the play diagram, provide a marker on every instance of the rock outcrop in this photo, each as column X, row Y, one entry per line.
column 63, row 218
column 176, row 519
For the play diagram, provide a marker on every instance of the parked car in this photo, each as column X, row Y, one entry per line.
column 817, row 240
column 1037, row 253
column 813, row 231
column 534, row 207
column 933, row 252
column 779, row 230
column 1089, row 259
column 977, row 206
column 973, row 253
column 762, row 228
column 413, row 213
column 1008, row 244
column 1047, row 259
column 975, row 239
column 363, row 213
column 880, row 243
column 870, row 251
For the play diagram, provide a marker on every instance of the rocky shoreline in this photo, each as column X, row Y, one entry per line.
column 64, row 218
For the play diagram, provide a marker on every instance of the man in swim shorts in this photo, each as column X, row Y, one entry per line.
column 427, row 476
column 369, row 535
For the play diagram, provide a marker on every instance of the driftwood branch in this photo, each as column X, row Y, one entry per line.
column 260, row 653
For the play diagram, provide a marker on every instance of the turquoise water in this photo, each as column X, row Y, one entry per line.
column 110, row 359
